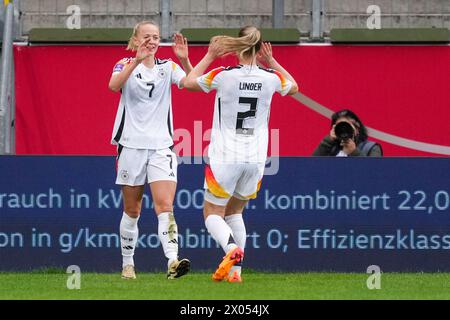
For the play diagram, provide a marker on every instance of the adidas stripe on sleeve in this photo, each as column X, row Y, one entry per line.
column 284, row 85
column 210, row 80
column 177, row 74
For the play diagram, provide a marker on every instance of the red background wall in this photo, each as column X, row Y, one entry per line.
column 63, row 105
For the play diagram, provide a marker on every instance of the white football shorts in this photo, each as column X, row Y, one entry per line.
column 241, row 180
column 135, row 165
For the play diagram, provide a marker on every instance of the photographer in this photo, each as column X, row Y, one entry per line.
column 347, row 138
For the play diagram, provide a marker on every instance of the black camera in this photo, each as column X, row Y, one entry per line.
column 344, row 131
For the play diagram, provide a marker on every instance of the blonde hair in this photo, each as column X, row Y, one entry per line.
column 131, row 45
column 245, row 46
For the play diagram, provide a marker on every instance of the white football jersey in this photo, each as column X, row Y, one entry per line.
column 144, row 115
column 241, row 111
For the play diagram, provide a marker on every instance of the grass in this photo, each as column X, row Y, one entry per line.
column 51, row 284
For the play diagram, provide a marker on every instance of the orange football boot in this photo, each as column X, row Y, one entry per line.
column 231, row 258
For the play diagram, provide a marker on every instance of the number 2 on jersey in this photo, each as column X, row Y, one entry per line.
column 241, row 116
column 152, row 85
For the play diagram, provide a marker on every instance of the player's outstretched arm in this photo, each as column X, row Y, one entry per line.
column 265, row 55
column 118, row 79
column 214, row 51
column 180, row 48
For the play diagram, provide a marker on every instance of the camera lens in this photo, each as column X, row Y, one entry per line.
column 344, row 131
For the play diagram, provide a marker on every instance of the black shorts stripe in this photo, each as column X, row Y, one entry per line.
column 119, row 150
column 120, row 130
column 220, row 111
column 169, row 125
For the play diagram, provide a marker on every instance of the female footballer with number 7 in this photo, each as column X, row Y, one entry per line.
column 143, row 135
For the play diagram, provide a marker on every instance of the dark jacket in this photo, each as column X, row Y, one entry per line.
column 329, row 147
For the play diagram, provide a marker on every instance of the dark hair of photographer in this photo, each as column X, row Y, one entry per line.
column 347, row 138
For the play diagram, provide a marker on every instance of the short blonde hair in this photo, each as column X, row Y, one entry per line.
column 131, row 45
column 246, row 45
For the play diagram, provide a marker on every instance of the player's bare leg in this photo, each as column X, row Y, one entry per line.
column 222, row 233
column 129, row 232
column 163, row 194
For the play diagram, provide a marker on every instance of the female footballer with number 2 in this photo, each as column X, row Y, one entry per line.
column 143, row 135
column 239, row 138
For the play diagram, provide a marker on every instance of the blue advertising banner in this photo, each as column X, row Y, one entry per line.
column 311, row 214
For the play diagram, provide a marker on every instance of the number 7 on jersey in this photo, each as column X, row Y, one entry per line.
column 152, row 85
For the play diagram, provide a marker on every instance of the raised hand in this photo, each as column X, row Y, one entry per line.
column 142, row 51
column 265, row 55
column 332, row 133
column 348, row 146
column 180, row 46
column 215, row 50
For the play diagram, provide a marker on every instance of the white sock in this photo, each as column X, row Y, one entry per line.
column 220, row 231
column 236, row 223
column 168, row 235
column 129, row 233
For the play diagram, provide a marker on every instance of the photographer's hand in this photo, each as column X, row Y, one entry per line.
column 348, row 146
column 333, row 134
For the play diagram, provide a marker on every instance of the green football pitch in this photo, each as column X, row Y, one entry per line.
column 199, row 286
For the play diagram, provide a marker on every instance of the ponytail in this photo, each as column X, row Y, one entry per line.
column 245, row 46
